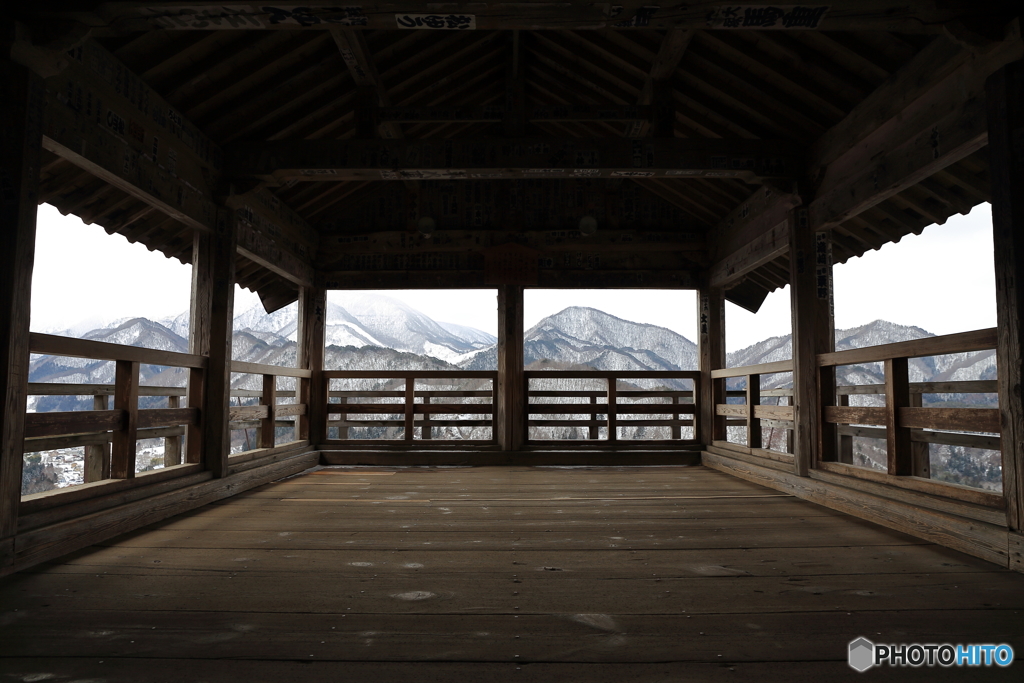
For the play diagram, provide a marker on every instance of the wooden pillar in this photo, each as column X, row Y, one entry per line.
column 810, row 280
column 21, row 119
column 267, row 437
column 97, row 457
column 312, row 392
column 172, row 444
column 753, row 400
column 899, row 455
column 1005, row 99
column 711, row 353
column 126, row 398
column 511, row 384
column 213, row 296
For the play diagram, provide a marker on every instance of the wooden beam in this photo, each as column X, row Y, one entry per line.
column 219, row 276
column 839, row 15
column 813, row 333
column 1005, row 97
column 21, row 120
column 754, row 234
column 946, row 123
column 495, row 113
column 671, row 51
column 511, row 415
column 356, row 54
column 106, row 120
column 548, row 157
column 572, row 278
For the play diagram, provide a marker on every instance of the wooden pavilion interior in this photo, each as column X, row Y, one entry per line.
column 730, row 150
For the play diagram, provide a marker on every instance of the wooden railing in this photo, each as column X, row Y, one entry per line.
column 906, row 426
column 753, row 411
column 385, row 406
column 618, row 408
column 108, row 433
column 265, row 417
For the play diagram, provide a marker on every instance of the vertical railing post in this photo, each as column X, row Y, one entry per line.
column 426, row 431
column 194, row 432
column 126, row 398
column 920, row 453
column 677, row 430
column 410, row 406
column 753, row 400
column 172, row 444
column 594, row 431
column 268, row 425
column 97, row 457
column 897, row 438
column 613, row 408
column 845, row 454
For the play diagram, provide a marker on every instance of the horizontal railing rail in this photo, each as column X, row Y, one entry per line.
column 906, row 425
column 414, row 411
column 612, row 407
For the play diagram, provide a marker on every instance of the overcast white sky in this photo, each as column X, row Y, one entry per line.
column 941, row 281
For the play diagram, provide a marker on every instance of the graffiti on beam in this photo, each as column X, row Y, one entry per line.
column 641, row 19
column 445, row 22
column 767, row 17
column 311, row 16
column 203, row 17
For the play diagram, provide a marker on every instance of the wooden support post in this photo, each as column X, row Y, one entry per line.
column 897, row 438
column 753, row 423
column 194, row 432
column 21, row 120
column 511, row 383
column 921, row 462
column 343, row 431
column 312, row 391
column 613, row 409
column 172, row 444
column 845, row 452
column 677, row 430
column 594, row 431
column 213, row 296
column 126, row 398
column 268, row 425
column 813, row 333
column 97, row 456
column 711, row 350
column 1005, row 101
column 426, row 431
column 410, row 407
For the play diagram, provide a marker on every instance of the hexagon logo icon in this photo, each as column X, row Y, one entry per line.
column 862, row 654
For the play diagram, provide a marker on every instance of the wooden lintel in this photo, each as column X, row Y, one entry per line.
column 475, row 279
column 489, row 159
column 495, row 113
column 752, row 235
column 838, row 15
column 106, row 120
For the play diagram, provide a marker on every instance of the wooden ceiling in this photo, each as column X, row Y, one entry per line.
column 246, row 86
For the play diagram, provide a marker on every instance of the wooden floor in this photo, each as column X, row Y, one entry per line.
column 492, row 574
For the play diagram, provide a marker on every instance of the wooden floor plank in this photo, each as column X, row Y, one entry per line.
column 524, row 574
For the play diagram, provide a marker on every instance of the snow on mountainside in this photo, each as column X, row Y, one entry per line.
column 586, row 336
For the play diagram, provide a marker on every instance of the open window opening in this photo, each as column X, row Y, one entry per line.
column 412, row 365
column 83, row 376
column 610, row 365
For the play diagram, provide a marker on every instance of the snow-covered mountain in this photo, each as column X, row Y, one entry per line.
column 948, row 367
column 587, row 336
